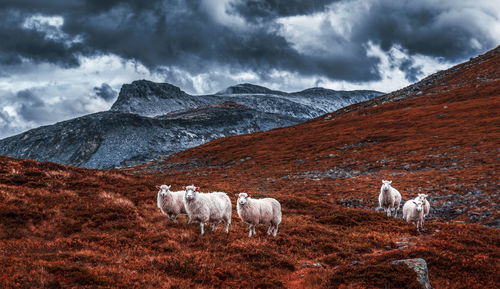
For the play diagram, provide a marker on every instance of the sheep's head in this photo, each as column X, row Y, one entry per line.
column 191, row 192
column 243, row 198
column 418, row 205
column 163, row 189
column 422, row 197
column 386, row 184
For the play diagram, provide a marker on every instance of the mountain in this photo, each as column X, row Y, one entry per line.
column 149, row 120
column 70, row 227
column 111, row 138
column 151, row 99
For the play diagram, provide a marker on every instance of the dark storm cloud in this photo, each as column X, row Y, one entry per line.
column 32, row 107
column 18, row 43
column 255, row 10
column 105, row 92
column 186, row 35
column 420, row 27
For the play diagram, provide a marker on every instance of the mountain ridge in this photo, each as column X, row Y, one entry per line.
column 149, row 98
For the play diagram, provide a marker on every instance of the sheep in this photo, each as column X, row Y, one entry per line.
column 170, row 203
column 213, row 207
column 427, row 206
column 389, row 198
column 413, row 211
column 259, row 211
column 425, row 203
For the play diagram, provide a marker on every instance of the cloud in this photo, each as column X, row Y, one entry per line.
column 263, row 10
column 327, row 38
column 105, row 92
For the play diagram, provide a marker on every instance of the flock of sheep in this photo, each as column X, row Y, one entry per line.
column 216, row 207
column 414, row 210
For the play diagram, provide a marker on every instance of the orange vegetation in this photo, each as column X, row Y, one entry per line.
column 70, row 227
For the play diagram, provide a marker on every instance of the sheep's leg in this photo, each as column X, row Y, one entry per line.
column 202, row 226
column 214, row 226
column 172, row 218
column 417, row 224
column 421, row 225
column 228, row 224
column 189, row 220
column 270, row 230
column 388, row 212
column 275, row 231
column 254, row 231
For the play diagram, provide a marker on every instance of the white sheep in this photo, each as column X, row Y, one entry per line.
column 170, row 203
column 413, row 211
column 425, row 202
column 213, row 207
column 389, row 198
column 259, row 211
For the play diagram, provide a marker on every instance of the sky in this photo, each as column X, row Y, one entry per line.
column 61, row 59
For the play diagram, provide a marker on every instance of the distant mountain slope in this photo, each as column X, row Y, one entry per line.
column 109, row 139
column 151, row 99
column 149, row 120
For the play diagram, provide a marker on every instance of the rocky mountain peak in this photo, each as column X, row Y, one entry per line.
column 248, row 88
column 145, row 91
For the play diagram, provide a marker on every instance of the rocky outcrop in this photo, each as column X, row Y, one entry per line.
column 420, row 267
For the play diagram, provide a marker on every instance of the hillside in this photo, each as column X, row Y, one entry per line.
column 73, row 227
column 442, row 140
column 150, row 120
column 439, row 136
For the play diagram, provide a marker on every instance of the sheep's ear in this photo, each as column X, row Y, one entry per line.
column 414, row 202
column 158, row 187
column 390, row 182
column 184, row 188
column 197, row 189
column 248, row 195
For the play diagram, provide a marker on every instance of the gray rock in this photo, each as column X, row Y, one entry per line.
column 319, row 265
column 420, row 267
column 307, row 264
